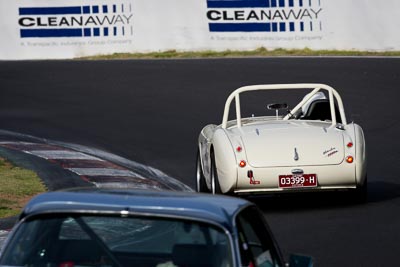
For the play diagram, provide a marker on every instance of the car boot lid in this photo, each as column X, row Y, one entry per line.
column 292, row 143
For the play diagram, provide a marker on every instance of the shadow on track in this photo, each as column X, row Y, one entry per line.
column 382, row 191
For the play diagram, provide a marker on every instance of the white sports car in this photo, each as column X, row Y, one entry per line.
column 312, row 147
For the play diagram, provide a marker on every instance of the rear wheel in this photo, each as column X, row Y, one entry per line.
column 361, row 193
column 215, row 188
column 201, row 185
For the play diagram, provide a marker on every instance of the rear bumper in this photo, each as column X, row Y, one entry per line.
column 331, row 177
column 292, row 190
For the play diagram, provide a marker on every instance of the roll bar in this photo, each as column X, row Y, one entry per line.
column 333, row 94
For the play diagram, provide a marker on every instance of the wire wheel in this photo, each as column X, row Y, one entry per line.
column 215, row 188
column 201, row 185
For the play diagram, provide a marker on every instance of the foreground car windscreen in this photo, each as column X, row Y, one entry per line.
column 116, row 241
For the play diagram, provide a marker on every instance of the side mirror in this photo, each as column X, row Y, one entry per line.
column 296, row 260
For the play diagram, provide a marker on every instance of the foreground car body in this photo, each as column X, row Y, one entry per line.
column 140, row 228
column 312, row 148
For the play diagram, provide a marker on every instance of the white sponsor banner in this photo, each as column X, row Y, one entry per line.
column 43, row 29
column 55, row 29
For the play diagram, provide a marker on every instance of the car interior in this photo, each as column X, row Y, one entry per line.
column 320, row 110
column 106, row 241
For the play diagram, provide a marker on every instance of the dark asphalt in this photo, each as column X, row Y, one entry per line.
column 151, row 111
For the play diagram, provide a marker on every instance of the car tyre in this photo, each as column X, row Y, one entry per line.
column 215, row 187
column 361, row 193
column 201, row 185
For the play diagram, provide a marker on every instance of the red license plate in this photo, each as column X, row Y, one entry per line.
column 300, row 180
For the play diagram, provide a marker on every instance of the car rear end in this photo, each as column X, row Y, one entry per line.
column 287, row 156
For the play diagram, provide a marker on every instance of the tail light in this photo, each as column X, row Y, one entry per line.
column 242, row 164
column 349, row 144
column 349, row 159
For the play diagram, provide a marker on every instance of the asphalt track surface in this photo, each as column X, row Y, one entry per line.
column 151, row 111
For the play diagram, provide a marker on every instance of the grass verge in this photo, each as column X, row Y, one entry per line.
column 17, row 186
column 260, row 52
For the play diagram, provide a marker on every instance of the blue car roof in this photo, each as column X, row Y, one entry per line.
column 202, row 207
